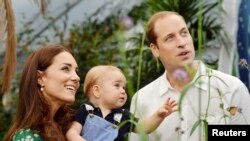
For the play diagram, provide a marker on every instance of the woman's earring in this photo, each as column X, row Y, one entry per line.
column 41, row 89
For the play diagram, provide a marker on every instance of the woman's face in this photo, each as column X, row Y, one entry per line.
column 60, row 80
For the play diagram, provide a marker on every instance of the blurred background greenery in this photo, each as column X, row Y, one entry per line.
column 119, row 40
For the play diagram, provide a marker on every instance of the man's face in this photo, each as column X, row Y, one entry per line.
column 174, row 44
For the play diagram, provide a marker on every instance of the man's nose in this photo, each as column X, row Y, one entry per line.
column 181, row 41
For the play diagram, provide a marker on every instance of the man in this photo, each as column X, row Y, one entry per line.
column 204, row 94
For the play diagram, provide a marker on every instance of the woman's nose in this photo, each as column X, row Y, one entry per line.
column 76, row 77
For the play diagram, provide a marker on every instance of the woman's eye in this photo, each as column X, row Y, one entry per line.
column 77, row 71
column 65, row 68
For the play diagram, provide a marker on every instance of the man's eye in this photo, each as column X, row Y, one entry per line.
column 169, row 38
column 184, row 33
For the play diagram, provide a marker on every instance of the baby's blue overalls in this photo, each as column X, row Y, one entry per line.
column 98, row 129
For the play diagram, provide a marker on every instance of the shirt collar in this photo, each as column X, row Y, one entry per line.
column 163, row 83
column 201, row 72
column 118, row 110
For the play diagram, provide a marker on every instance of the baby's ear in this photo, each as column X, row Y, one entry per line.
column 96, row 91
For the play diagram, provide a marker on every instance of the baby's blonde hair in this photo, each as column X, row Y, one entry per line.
column 94, row 75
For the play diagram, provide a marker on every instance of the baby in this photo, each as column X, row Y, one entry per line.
column 102, row 118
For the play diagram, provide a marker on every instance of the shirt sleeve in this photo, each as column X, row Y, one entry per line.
column 81, row 115
column 26, row 135
column 134, row 109
column 241, row 100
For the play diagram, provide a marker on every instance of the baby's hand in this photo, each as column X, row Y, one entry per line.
column 169, row 107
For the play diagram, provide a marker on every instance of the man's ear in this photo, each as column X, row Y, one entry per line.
column 154, row 49
column 96, row 91
column 40, row 78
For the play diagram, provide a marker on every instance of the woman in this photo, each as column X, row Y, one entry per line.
column 48, row 86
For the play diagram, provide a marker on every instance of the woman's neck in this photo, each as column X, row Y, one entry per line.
column 53, row 110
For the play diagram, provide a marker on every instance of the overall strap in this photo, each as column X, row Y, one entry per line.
column 117, row 118
column 90, row 109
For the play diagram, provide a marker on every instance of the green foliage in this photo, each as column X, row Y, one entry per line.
column 7, row 109
column 4, row 120
column 189, row 9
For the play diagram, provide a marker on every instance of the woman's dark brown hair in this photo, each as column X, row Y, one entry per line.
column 33, row 112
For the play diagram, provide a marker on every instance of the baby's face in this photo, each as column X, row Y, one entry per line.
column 112, row 89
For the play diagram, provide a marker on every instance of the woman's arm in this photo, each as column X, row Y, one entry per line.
column 73, row 134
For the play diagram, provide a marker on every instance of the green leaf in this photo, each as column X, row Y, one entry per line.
column 196, row 124
column 183, row 93
column 205, row 127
